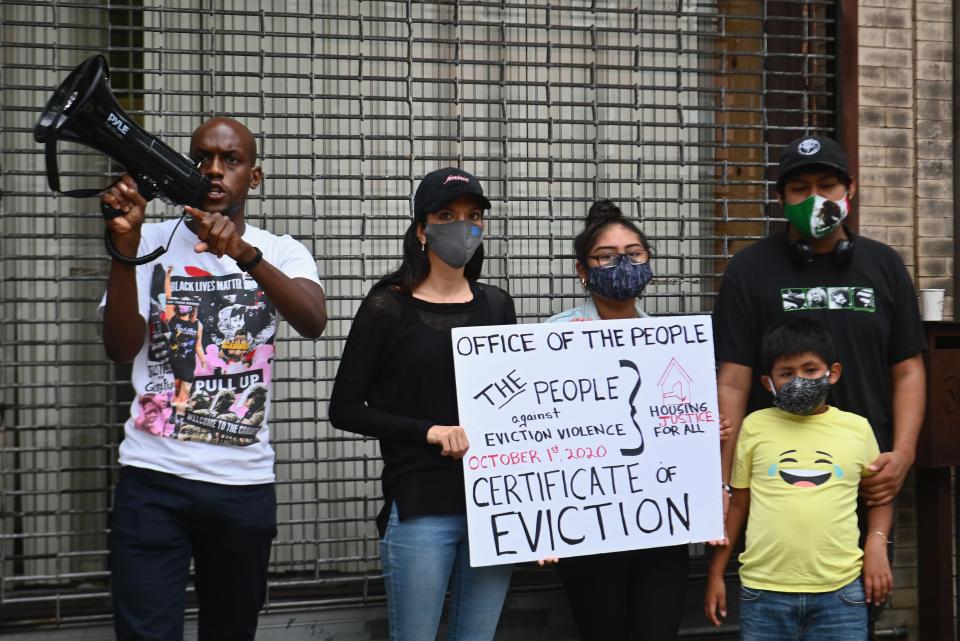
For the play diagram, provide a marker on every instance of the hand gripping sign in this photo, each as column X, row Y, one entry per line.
column 588, row 437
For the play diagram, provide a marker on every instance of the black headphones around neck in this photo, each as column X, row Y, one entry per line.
column 801, row 251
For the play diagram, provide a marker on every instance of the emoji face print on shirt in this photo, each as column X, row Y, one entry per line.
column 805, row 471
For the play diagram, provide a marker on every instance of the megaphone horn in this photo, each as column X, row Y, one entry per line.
column 84, row 110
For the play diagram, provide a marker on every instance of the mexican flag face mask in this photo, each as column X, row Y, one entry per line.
column 817, row 216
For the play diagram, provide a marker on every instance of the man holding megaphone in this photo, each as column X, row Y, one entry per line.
column 199, row 324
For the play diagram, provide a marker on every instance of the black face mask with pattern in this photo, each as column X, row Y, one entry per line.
column 621, row 281
column 802, row 396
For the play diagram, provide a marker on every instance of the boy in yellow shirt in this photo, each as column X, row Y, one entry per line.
column 796, row 474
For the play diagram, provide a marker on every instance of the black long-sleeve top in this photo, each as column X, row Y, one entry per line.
column 396, row 380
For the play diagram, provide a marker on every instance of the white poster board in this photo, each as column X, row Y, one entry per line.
column 588, row 437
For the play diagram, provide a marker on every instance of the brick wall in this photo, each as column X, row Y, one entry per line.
column 906, row 185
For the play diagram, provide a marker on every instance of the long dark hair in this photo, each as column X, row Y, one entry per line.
column 602, row 214
column 415, row 266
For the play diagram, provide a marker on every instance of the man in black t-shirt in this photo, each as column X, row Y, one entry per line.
column 856, row 287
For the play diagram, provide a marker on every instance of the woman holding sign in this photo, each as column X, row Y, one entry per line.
column 636, row 595
column 396, row 383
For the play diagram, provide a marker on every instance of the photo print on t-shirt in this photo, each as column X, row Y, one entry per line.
column 816, row 298
column 840, row 298
column 210, row 357
column 860, row 299
column 793, row 299
column 863, row 298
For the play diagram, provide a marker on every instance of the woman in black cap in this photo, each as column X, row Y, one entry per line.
column 396, row 383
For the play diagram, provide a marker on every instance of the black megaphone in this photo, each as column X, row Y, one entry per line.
column 83, row 109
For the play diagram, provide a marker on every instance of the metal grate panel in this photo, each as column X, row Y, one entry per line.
column 672, row 108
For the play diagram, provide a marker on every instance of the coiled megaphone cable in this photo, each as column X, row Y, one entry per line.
column 134, row 260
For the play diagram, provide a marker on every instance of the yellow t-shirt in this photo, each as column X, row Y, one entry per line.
column 803, row 473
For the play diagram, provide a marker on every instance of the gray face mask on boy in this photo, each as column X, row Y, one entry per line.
column 455, row 243
column 802, row 396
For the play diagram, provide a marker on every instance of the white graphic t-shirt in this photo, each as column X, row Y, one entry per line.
column 203, row 375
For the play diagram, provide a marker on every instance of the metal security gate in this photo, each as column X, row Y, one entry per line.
column 673, row 108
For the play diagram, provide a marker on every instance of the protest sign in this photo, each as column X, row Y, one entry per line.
column 588, row 437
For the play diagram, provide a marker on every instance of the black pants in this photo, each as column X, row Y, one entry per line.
column 159, row 522
column 628, row 596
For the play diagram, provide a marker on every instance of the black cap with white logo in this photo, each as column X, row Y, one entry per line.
column 811, row 153
column 441, row 187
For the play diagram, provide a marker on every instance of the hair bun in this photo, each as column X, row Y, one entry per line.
column 603, row 211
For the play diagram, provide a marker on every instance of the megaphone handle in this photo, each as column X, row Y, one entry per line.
column 108, row 212
column 145, row 186
column 129, row 260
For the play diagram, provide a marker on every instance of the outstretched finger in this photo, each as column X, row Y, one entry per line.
column 197, row 214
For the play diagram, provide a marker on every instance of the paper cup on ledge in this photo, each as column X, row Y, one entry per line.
column 931, row 304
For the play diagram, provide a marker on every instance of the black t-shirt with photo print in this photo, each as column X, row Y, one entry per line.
column 870, row 308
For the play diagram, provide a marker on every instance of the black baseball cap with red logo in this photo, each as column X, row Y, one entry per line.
column 812, row 153
column 441, row 187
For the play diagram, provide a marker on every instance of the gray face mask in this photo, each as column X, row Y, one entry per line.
column 802, row 396
column 455, row 243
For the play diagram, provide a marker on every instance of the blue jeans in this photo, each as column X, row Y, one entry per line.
column 804, row 616
column 420, row 557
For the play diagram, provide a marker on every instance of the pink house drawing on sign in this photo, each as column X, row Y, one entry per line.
column 675, row 383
